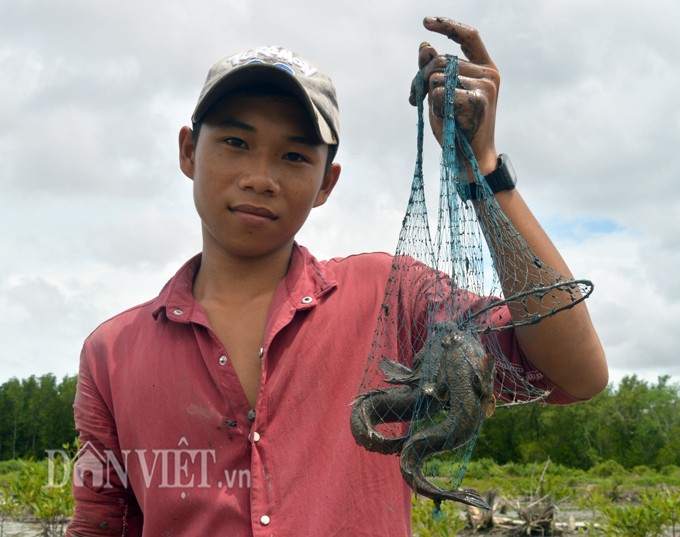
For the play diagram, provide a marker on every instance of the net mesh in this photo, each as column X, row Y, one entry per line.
column 437, row 367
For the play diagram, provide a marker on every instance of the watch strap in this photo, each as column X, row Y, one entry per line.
column 502, row 178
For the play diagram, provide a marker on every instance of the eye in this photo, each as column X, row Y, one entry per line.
column 446, row 342
column 295, row 157
column 236, row 142
column 477, row 384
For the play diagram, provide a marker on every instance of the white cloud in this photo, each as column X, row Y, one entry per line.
column 97, row 215
column 637, row 320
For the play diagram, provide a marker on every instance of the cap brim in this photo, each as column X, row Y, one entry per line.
column 265, row 74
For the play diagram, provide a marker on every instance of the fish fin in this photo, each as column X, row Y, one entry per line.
column 395, row 372
column 468, row 497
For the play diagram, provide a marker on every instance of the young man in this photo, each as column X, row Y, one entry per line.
column 222, row 406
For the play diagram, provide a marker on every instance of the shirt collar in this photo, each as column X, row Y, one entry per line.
column 306, row 281
column 176, row 298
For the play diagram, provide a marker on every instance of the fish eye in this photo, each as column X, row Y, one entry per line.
column 477, row 383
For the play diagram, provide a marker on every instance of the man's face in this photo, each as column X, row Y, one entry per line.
column 258, row 170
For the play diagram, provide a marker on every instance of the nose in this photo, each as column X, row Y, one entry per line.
column 259, row 178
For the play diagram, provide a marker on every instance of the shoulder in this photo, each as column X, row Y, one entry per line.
column 365, row 271
column 126, row 325
column 407, row 270
column 127, row 321
column 379, row 267
column 337, row 269
column 380, row 261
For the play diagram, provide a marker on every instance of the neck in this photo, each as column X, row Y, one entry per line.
column 236, row 279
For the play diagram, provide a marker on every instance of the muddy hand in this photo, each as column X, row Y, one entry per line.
column 476, row 92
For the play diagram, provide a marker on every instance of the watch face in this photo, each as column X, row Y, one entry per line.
column 509, row 171
column 503, row 177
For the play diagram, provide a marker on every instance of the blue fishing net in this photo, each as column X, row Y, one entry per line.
column 436, row 369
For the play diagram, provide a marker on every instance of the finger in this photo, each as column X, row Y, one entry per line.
column 437, row 87
column 432, row 69
column 426, row 53
column 465, row 68
column 469, row 107
column 430, row 62
column 470, row 76
column 467, row 37
column 473, row 70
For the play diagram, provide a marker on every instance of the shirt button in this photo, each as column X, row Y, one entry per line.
column 255, row 436
column 223, row 360
column 306, row 300
column 178, row 311
column 265, row 520
column 261, row 353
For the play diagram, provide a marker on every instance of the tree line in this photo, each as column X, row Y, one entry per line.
column 635, row 423
column 36, row 414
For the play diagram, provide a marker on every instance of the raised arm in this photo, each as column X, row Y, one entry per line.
column 565, row 347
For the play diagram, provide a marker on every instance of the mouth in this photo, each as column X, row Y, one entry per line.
column 252, row 214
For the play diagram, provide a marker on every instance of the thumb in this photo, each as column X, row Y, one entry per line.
column 426, row 53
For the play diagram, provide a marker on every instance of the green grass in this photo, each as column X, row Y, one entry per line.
column 619, row 499
column 623, row 501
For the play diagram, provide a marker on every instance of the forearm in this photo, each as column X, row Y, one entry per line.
column 105, row 502
column 564, row 346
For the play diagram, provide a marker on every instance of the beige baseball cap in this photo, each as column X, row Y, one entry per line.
column 284, row 69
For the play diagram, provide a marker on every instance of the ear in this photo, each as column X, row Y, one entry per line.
column 187, row 152
column 328, row 184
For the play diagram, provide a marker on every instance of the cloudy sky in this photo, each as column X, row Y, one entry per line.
column 96, row 215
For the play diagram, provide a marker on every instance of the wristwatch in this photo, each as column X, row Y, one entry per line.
column 502, row 178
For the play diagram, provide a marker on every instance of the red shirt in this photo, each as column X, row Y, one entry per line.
column 169, row 448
